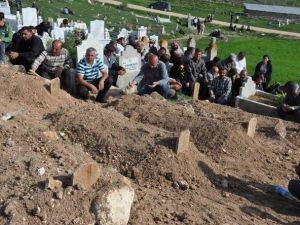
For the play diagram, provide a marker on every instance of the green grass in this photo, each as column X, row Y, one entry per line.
column 284, row 53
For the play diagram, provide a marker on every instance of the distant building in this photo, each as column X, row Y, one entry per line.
column 273, row 12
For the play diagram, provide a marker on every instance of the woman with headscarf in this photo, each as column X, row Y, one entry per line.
column 291, row 103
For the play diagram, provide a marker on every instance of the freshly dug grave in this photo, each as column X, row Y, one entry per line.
column 227, row 177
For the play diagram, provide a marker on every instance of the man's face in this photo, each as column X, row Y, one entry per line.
column 243, row 74
column 2, row 23
column 56, row 48
column 198, row 55
column 215, row 71
column 90, row 57
column 26, row 34
column 223, row 73
column 140, row 47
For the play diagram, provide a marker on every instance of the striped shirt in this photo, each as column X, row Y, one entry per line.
column 90, row 72
column 221, row 86
column 50, row 62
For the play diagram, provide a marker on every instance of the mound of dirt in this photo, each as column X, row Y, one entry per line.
column 224, row 178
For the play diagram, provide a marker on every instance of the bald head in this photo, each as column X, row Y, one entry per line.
column 153, row 61
column 215, row 70
column 56, row 47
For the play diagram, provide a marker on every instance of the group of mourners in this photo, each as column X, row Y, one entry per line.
column 166, row 71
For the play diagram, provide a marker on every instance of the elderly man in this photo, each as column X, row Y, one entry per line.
column 140, row 47
column 220, row 89
column 154, row 77
column 92, row 76
column 5, row 37
column 28, row 48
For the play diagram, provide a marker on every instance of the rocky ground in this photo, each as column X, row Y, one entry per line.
column 225, row 177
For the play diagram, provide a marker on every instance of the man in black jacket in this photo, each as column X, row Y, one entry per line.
column 28, row 48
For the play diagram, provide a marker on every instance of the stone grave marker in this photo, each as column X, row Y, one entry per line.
column 5, row 8
column 12, row 20
column 280, row 129
column 212, row 50
column 89, row 42
column 131, row 61
column 55, row 86
column 248, row 89
column 196, row 91
column 191, row 42
column 123, row 33
column 142, row 32
column 251, row 127
column 97, row 29
column 29, row 16
column 86, row 175
column 183, row 142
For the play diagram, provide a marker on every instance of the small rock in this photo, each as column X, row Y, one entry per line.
column 53, row 184
column 86, row 175
column 41, row 171
column 224, row 183
column 280, row 129
column 51, row 135
column 36, row 211
column 170, row 176
column 175, row 185
column 183, row 185
column 9, row 143
column 11, row 208
column 251, row 127
column 59, row 194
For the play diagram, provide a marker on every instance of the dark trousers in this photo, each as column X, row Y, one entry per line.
column 23, row 61
column 83, row 91
column 294, row 188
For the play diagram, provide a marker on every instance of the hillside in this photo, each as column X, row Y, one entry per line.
column 136, row 136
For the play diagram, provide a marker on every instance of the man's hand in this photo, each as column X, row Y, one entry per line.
column 13, row 55
column 101, row 85
column 94, row 89
column 132, row 83
column 154, row 84
column 58, row 72
column 122, row 71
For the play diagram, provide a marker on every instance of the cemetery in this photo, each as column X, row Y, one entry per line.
column 144, row 160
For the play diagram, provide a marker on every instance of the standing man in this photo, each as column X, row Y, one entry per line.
column 199, row 73
column 92, row 76
column 5, row 37
column 27, row 49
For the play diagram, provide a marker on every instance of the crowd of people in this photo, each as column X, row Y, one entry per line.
column 166, row 70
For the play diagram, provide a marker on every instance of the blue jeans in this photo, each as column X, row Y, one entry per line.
column 160, row 89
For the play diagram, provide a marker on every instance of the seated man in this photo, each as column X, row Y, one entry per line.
column 27, row 49
column 92, row 76
column 220, row 89
column 110, row 60
column 5, row 37
column 291, row 104
column 154, row 77
column 56, row 62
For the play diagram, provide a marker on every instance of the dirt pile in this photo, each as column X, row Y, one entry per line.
column 225, row 177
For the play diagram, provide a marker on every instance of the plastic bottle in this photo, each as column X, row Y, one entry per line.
column 283, row 192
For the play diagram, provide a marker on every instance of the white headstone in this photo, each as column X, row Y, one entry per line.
column 4, row 7
column 248, row 89
column 142, row 32
column 29, row 16
column 12, row 20
column 97, row 29
column 131, row 61
column 88, row 43
column 58, row 33
column 123, row 33
column 80, row 25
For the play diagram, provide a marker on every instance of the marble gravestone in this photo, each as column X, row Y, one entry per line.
column 29, row 16
column 97, row 29
column 142, row 32
column 88, row 43
column 4, row 7
column 131, row 61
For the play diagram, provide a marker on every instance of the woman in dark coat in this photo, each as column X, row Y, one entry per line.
column 264, row 68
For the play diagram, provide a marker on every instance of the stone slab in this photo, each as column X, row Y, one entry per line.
column 196, row 91
column 54, row 86
column 280, row 129
column 251, row 127
column 183, row 142
column 86, row 175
